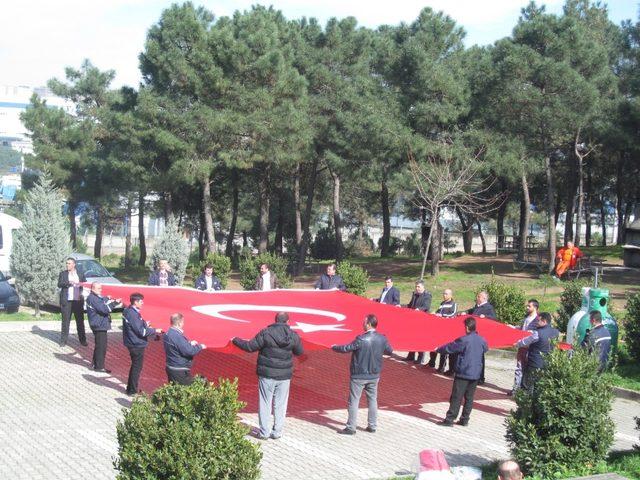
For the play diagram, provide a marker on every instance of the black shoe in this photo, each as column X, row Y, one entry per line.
column 449, row 373
column 445, row 423
column 463, row 423
column 480, row 382
column 84, row 344
column 409, row 358
column 103, row 370
column 346, row 431
column 370, row 430
column 432, row 365
column 441, row 370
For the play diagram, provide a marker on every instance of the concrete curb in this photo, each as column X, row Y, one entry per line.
column 625, row 393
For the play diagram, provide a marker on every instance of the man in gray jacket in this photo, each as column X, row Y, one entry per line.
column 366, row 364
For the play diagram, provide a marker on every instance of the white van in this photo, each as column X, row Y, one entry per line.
column 7, row 225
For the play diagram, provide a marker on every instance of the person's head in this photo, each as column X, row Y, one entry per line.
column 177, row 320
column 388, row 282
column 136, row 299
column 163, row 265
column 282, row 317
column 264, row 268
column 570, row 244
column 331, row 269
column 71, row 264
column 419, row 286
column 595, row 318
column 509, row 470
column 370, row 322
column 470, row 324
column 96, row 288
column 532, row 306
column 208, row 270
column 447, row 294
column 544, row 319
column 482, row 297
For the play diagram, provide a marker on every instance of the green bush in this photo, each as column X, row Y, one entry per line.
column 359, row 245
column 186, row 432
column 323, row 246
column 250, row 269
column 564, row 424
column 508, row 301
column 412, row 246
column 354, row 277
column 110, row 261
column 135, row 256
column 570, row 303
column 81, row 247
column 221, row 267
column 632, row 326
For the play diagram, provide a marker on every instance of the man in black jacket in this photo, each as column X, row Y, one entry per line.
column 71, row 301
column 482, row 308
column 390, row 294
column 420, row 300
column 366, row 364
column 179, row 352
column 208, row 281
column 539, row 344
column 135, row 332
column 469, row 350
column 330, row 281
column 598, row 339
column 277, row 345
column 99, row 312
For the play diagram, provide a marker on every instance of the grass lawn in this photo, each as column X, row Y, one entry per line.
column 625, row 463
column 627, row 376
column 27, row 316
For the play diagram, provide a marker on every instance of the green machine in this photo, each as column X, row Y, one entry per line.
column 598, row 300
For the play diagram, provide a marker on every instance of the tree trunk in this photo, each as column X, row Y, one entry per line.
column 168, row 206
column 525, row 212
column 558, row 207
column 97, row 246
column 208, row 216
column 500, row 219
column 434, row 219
column 580, row 160
column 297, row 203
column 36, row 310
column 337, row 221
column 467, row 231
column 73, row 230
column 571, row 186
column 142, row 242
column 620, row 200
column 234, row 213
column 603, row 221
column 436, row 247
column 588, row 198
column 551, row 213
column 264, row 212
column 484, row 243
column 278, row 242
column 306, row 236
column 386, row 220
column 625, row 220
column 128, row 261
column 202, row 246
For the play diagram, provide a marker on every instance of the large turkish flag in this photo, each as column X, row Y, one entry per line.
column 322, row 318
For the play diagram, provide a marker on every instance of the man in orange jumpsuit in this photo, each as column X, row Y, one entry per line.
column 566, row 258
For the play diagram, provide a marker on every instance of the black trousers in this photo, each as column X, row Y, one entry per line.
column 461, row 388
column 411, row 356
column 75, row 307
column 530, row 377
column 441, row 363
column 181, row 377
column 100, row 349
column 137, row 359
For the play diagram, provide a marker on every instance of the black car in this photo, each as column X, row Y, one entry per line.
column 9, row 299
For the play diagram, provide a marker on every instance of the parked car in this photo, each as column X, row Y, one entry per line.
column 9, row 299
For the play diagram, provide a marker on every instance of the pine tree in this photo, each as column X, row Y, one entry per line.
column 41, row 245
column 172, row 247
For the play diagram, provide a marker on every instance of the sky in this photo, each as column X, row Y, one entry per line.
column 39, row 38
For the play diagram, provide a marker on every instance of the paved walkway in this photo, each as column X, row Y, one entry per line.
column 57, row 417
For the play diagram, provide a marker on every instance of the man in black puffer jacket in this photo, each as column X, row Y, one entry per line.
column 277, row 345
column 366, row 364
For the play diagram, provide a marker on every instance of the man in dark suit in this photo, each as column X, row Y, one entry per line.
column 267, row 279
column 469, row 350
column 330, row 281
column 482, row 309
column 179, row 352
column 420, row 300
column 208, row 281
column 162, row 276
column 99, row 313
column 390, row 294
column 135, row 332
column 71, row 301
